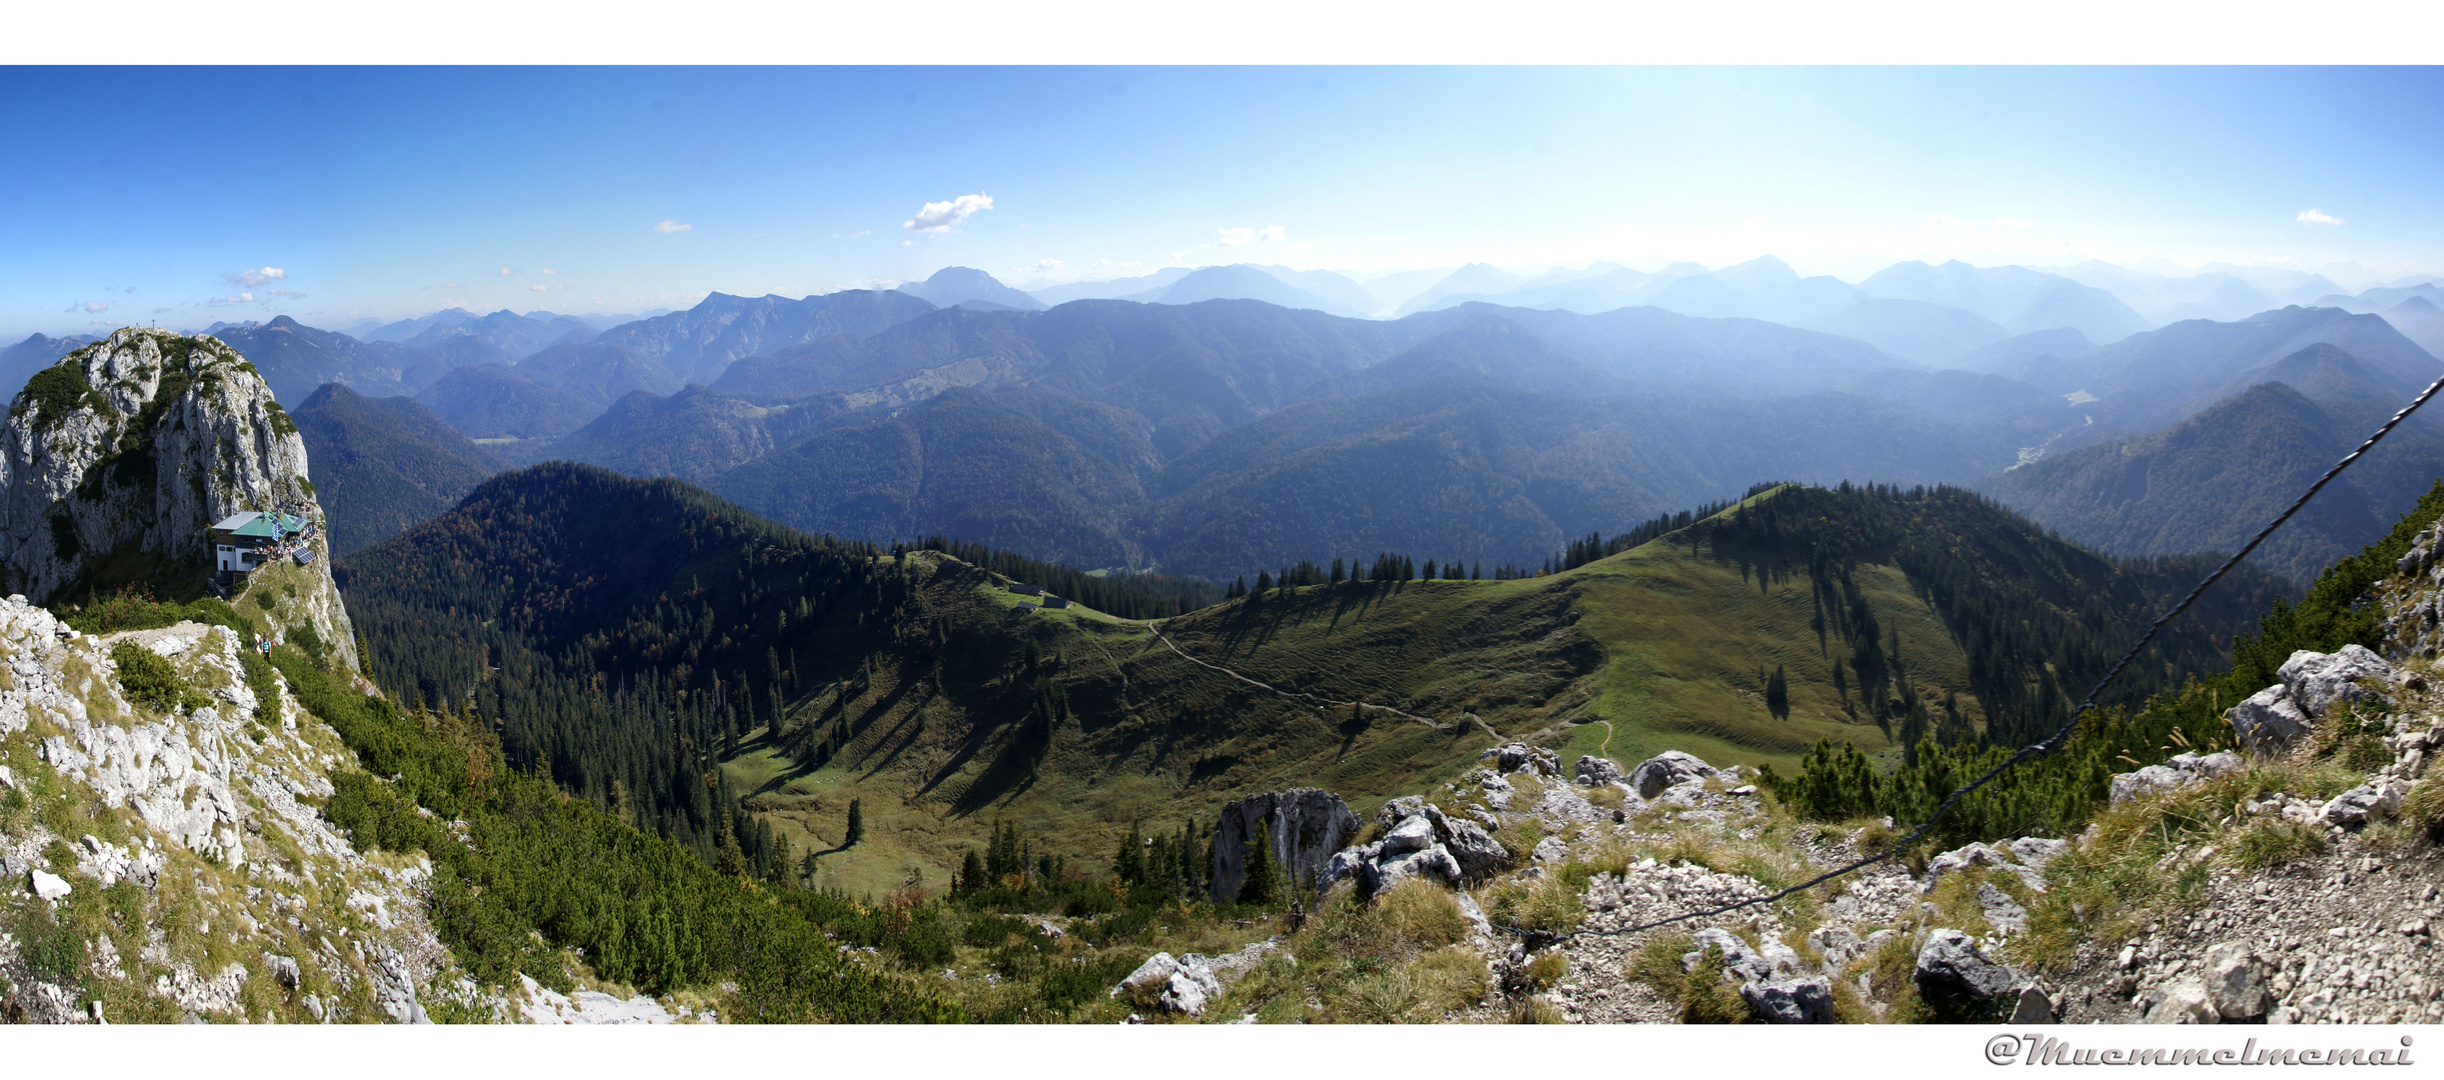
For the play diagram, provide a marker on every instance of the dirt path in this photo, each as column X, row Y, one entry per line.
column 1317, row 699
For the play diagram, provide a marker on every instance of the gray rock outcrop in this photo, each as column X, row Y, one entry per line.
column 1512, row 757
column 1669, row 769
column 1594, row 771
column 2312, row 684
column 1304, row 827
column 218, row 802
column 2364, row 803
column 2180, row 771
column 1956, row 976
column 1807, row 1000
column 1173, row 984
column 1422, row 841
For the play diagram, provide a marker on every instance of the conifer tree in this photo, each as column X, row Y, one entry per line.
column 1261, row 882
column 1339, row 573
column 1429, row 576
column 1778, row 695
column 856, row 829
column 728, row 858
column 1129, row 863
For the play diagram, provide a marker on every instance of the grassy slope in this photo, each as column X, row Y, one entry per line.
column 1663, row 645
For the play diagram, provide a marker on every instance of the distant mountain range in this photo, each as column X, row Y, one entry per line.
column 2210, row 481
column 1206, row 438
column 1208, row 433
column 698, row 344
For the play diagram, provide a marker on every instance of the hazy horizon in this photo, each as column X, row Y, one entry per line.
column 387, row 193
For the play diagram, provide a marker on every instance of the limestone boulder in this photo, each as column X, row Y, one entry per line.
column 2184, row 1001
column 1740, row 963
column 2319, row 681
column 2236, row 982
column 1807, row 1000
column 1513, row 757
column 1667, row 770
column 1956, row 976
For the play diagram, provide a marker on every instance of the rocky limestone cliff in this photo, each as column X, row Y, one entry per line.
column 116, row 461
column 158, row 866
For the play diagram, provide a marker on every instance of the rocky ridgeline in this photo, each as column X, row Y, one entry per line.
column 2340, row 931
column 128, row 450
column 253, row 907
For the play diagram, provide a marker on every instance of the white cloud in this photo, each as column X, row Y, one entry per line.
column 250, row 278
column 90, row 306
column 1236, row 237
column 907, row 243
column 284, row 292
column 241, row 298
column 672, row 225
column 503, row 272
column 449, row 284
column 1943, row 222
column 1048, row 264
column 2314, row 216
column 943, row 217
column 2015, row 223
column 536, row 288
column 548, row 271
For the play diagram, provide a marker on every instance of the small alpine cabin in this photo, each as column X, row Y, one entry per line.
column 245, row 541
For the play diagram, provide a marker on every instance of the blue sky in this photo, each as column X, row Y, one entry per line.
column 391, row 192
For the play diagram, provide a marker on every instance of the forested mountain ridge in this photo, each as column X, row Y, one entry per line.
column 2208, row 483
column 385, row 463
column 630, row 634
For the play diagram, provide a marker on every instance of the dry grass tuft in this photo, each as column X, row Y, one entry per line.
column 1416, row 915
column 1549, row 904
column 1535, row 1010
column 1701, row 993
column 2423, row 809
column 1397, row 958
column 1451, row 980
